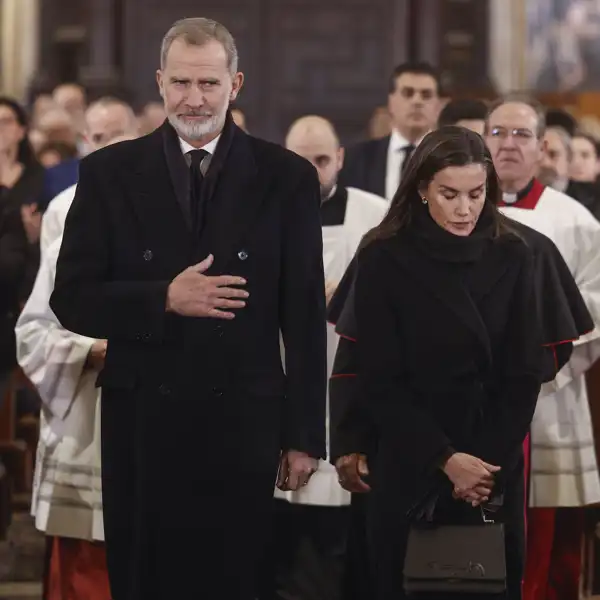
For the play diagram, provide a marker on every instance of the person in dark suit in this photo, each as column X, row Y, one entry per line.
column 190, row 250
column 414, row 102
column 450, row 359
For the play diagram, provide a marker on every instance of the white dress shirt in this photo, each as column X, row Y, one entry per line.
column 395, row 159
column 210, row 148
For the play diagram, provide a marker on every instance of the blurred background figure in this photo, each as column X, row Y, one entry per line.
column 555, row 166
column 413, row 104
column 151, row 117
column 21, row 179
column 41, row 105
column 380, row 124
column 464, row 113
column 67, row 500
column 58, row 126
column 50, row 154
column 37, row 139
column 239, row 118
column 585, row 165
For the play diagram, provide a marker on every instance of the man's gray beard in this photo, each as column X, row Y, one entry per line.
column 197, row 131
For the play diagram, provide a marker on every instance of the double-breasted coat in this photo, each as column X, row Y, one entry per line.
column 195, row 411
column 447, row 358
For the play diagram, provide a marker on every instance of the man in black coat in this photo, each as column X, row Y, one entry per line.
column 192, row 267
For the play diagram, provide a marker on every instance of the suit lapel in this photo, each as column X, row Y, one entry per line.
column 156, row 201
column 450, row 291
column 234, row 197
column 178, row 170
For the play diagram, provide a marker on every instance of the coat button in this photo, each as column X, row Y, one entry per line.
column 217, row 392
column 148, row 255
column 163, row 390
column 219, row 330
column 242, row 255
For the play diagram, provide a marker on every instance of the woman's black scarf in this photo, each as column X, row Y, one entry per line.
column 440, row 244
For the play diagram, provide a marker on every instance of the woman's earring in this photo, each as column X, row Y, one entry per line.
column 424, row 200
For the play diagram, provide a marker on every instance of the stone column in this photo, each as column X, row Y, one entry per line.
column 19, row 34
column 101, row 73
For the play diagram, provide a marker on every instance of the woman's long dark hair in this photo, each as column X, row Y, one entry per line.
column 25, row 153
column 449, row 146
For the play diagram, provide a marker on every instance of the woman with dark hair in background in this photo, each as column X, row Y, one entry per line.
column 21, row 179
column 449, row 356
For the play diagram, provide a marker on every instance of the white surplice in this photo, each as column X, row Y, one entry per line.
column 564, row 469
column 67, row 495
column 340, row 242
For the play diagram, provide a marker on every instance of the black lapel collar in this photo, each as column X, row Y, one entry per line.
column 378, row 169
column 178, row 169
column 232, row 194
column 152, row 191
column 438, row 278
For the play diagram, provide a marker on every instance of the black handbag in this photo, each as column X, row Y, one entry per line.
column 465, row 559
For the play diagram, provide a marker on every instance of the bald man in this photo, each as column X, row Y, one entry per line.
column 63, row 366
column 312, row 522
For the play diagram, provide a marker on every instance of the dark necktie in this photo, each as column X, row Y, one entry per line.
column 407, row 151
column 196, row 179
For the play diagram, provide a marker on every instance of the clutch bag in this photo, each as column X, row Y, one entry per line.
column 465, row 559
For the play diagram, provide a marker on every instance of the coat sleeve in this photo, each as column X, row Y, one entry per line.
column 86, row 299
column 507, row 417
column 303, row 319
column 51, row 357
column 351, row 428
column 381, row 378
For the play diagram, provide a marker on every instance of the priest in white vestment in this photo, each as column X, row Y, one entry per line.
column 63, row 366
column 564, row 471
column 312, row 522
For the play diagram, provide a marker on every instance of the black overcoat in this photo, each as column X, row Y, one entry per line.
column 195, row 412
column 444, row 360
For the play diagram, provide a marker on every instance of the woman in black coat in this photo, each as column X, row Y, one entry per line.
column 450, row 357
column 21, row 179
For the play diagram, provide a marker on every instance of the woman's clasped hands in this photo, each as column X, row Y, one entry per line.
column 473, row 478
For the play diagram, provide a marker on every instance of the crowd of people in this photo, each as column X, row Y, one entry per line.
column 302, row 355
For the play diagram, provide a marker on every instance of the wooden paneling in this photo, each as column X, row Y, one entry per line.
column 331, row 58
column 146, row 22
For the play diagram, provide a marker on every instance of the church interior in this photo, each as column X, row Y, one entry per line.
column 330, row 58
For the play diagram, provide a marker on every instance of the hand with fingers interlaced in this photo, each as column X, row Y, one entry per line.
column 473, row 478
column 193, row 294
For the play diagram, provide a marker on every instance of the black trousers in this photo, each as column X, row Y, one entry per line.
column 305, row 557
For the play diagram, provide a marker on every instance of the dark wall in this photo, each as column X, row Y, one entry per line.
column 327, row 57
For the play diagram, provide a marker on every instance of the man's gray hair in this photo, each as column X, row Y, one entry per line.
column 521, row 98
column 198, row 32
